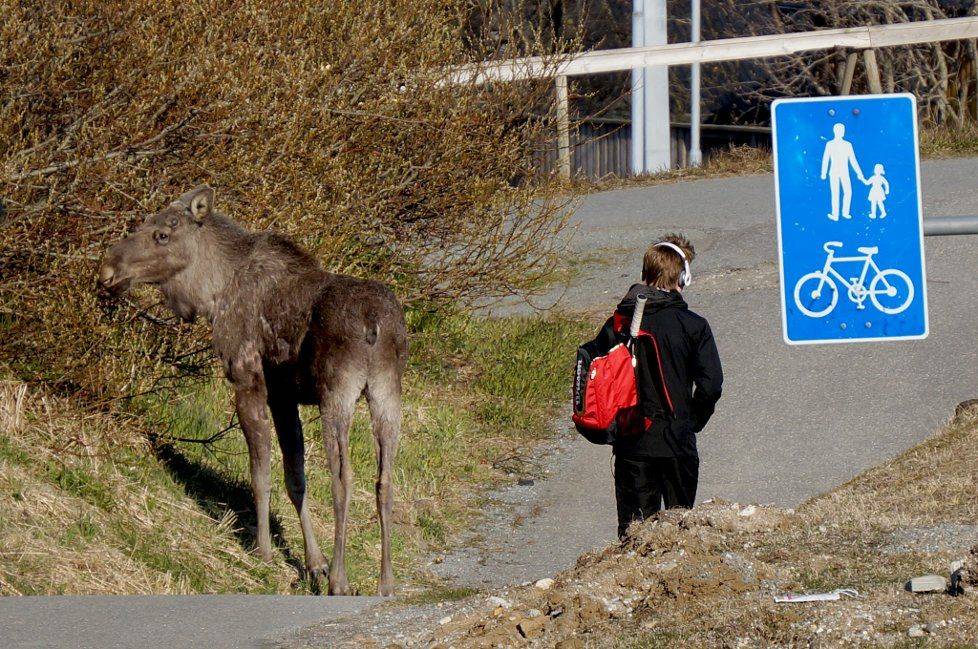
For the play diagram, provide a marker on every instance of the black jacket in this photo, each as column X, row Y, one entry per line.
column 690, row 364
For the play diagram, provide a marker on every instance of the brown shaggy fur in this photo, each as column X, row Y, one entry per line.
column 287, row 333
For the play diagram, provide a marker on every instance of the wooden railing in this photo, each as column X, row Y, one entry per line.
column 726, row 49
column 864, row 39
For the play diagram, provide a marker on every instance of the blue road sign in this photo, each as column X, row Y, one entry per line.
column 850, row 229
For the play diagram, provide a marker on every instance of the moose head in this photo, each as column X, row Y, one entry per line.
column 164, row 245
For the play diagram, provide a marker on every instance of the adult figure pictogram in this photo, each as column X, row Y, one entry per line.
column 836, row 159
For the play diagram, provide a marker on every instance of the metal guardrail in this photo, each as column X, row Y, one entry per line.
column 864, row 38
column 939, row 226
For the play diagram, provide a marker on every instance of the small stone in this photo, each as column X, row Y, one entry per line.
column 930, row 627
column 916, row 631
column 749, row 510
column 927, row 584
column 534, row 612
column 445, row 620
column 570, row 643
column 965, row 406
column 525, row 482
column 957, row 586
column 531, row 627
column 544, row 584
column 499, row 601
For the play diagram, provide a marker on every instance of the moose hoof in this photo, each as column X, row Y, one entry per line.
column 338, row 587
column 386, row 589
column 317, row 578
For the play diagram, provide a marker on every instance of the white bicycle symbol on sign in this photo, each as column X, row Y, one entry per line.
column 817, row 293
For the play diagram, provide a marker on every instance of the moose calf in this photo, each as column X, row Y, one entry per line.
column 287, row 333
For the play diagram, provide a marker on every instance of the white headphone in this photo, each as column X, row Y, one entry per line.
column 685, row 277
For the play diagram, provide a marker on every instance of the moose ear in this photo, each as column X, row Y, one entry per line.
column 200, row 201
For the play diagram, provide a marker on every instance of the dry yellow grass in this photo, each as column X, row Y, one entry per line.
column 81, row 511
column 735, row 161
column 930, row 483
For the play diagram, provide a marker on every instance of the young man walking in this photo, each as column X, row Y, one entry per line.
column 679, row 383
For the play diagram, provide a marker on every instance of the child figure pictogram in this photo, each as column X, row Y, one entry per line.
column 879, row 190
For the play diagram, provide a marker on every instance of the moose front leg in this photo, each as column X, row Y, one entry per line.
column 250, row 398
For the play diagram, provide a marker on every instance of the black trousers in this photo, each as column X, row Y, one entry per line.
column 644, row 484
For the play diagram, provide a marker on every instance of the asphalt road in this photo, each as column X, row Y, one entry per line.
column 164, row 621
column 793, row 422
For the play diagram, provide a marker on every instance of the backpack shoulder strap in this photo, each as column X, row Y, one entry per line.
column 657, row 368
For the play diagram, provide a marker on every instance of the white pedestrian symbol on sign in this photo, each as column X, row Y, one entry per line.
column 817, row 293
column 836, row 159
column 879, row 190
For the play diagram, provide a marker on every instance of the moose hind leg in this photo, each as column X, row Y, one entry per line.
column 384, row 396
column 336, row 407
column 288, row 426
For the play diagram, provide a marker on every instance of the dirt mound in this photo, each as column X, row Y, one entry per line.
column 664, row 564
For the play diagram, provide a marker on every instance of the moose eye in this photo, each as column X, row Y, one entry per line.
column 161, row 237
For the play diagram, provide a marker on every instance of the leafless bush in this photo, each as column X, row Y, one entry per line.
column 321, row 120
column 941, row 75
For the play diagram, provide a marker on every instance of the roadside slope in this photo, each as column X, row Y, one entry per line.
column 84, row 508
column 152, row 497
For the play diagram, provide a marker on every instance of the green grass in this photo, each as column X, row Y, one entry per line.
column 476, row 390
column 438, row 594
column 79, row 523
column 82, row 484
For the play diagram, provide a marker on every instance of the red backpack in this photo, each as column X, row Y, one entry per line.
column 606, row 403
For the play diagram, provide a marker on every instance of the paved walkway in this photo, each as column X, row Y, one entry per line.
column 164, row 621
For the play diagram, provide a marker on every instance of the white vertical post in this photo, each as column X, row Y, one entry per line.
column 563, row 129
column 638, row 92
column 695, row 154
column 657, row 140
